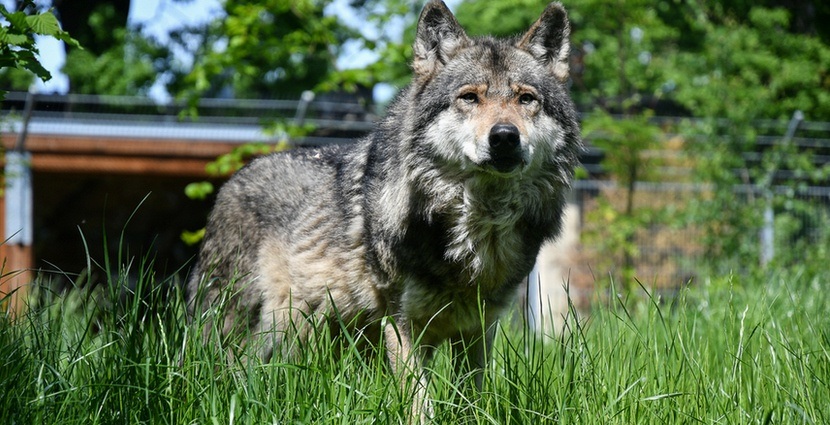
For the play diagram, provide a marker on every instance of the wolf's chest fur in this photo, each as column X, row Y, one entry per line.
column 472, row 246
column 485, row 234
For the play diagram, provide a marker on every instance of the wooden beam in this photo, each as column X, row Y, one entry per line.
column 37, row 143
column 117, row 146
column 100, row 164
column 107, row 155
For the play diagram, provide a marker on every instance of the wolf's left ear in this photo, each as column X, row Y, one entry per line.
column 548, row 39
column 439, row 37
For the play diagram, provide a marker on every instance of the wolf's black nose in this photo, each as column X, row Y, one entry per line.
column 505, row 147
column 504, row 139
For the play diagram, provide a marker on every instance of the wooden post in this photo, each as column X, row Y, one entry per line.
column 16, row 256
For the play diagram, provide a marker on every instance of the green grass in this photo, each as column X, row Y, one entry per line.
column 725, row 350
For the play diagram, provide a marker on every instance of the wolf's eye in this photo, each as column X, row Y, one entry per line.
column 526, row 98
column 469, row 97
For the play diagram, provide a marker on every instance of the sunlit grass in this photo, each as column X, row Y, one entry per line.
column 725, row 350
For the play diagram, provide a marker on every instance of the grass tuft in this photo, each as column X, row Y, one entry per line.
column 729, row 349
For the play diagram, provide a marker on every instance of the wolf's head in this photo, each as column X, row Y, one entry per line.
column 495, row 106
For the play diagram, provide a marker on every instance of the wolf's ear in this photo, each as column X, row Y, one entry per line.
column 548, row 39
column 439, row 37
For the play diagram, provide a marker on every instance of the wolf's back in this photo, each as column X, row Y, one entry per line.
column 273, row 208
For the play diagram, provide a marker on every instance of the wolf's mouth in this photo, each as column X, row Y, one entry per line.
column 505, row 164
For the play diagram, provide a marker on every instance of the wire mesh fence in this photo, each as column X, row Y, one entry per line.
column 670, row 239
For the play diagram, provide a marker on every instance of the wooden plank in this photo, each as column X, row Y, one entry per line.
column 121, row 146
column 108, row 164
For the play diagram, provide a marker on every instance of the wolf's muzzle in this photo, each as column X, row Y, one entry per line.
column 505, row 147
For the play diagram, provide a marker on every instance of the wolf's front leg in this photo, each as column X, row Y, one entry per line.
column 407, row 360
column 475, row 355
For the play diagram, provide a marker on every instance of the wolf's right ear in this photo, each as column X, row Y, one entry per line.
column 439, row 37
column 548, row 39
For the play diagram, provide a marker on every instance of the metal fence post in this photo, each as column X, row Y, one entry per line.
column 768, row 229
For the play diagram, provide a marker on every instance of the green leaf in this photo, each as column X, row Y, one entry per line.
column 198, row 190
column 12, row 39
column 192, row 238
column 17, row 21
column 38, row 70
column 64, row 36
column 44, row 24
column 27, row 59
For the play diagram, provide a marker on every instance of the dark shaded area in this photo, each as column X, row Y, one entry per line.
column 806, row 16
column 71, row 209
column 108, row 15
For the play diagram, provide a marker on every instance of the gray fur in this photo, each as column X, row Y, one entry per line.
column 425, row 221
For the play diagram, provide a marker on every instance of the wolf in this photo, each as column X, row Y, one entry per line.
column 422, row 231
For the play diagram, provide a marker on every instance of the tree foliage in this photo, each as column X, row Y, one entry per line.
column 755, row 69
column 117, row 59
column 127, row 68
column 253, row 49
column 17, row 43
column 266, row 49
